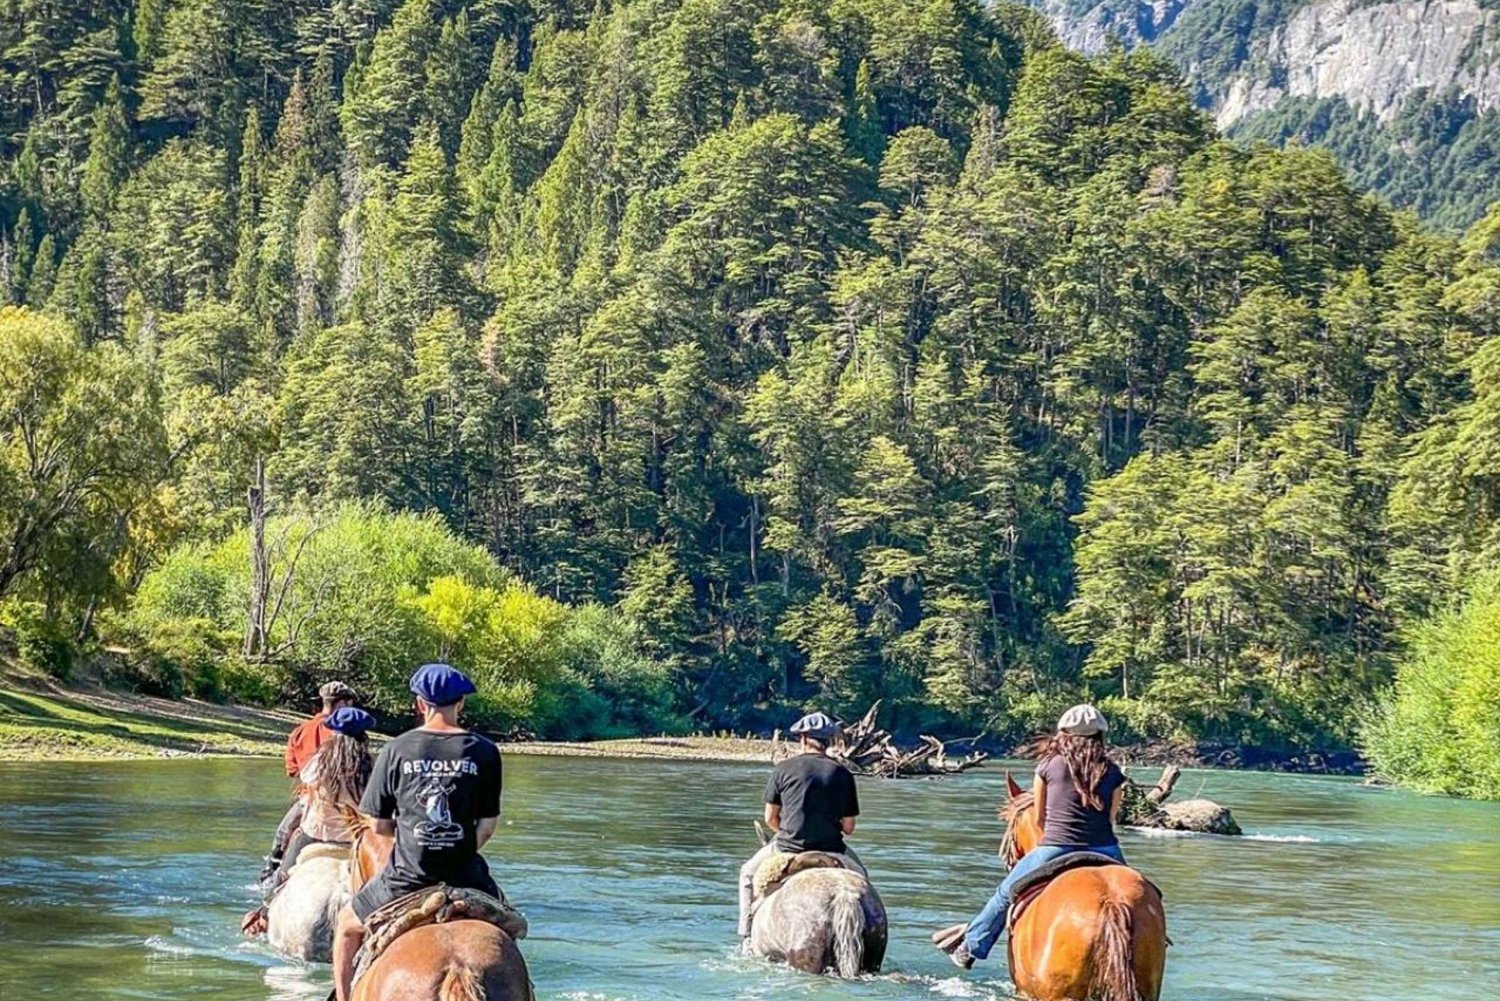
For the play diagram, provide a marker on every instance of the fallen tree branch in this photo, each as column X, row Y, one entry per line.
column 865, row 749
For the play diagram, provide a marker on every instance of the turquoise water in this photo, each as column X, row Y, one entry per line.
column 127, row 881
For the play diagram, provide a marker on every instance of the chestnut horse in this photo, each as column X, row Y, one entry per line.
column 454, row 961
column 1094, row 933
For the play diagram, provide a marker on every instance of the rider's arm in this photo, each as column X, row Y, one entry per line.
column 1116, row 800
column 847, row 825
column 485, row 830
column 773, row 816
column 1039, row 790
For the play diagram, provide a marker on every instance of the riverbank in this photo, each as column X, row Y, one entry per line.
column 696, row 748
column 43, row 720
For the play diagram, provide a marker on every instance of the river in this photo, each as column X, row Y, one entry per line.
column 126, row 880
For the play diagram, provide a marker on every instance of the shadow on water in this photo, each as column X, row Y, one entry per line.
column 126, row 881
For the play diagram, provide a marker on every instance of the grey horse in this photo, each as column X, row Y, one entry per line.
column 301, row 917
column 822, row 919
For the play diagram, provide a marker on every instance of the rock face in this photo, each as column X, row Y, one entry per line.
column 1089, row 29
column 1371, row 54
column 1202, row 816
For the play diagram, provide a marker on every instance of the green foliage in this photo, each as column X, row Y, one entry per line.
column 1439, row 156
column 1438, row 730
column 40, row 637
column 81, row 445
column 367, row 596
column 782, row 354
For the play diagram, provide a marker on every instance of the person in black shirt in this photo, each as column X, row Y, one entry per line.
column 811, row 804
column 437, row 789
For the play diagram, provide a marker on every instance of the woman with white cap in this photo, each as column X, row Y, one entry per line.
column 1078, row 793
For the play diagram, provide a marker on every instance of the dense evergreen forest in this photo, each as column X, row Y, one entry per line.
column 682, row 362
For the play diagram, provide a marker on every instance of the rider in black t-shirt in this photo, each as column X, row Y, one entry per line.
column 811, row 804
column 437, row 789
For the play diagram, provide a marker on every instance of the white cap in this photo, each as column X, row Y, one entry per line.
column 1082, row 721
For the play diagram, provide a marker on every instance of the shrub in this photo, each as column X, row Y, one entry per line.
column 366, row 595
column 41, row 640
column 1438, row 729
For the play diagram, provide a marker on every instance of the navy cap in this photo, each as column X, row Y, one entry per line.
column 349, row 721
column 440, row 684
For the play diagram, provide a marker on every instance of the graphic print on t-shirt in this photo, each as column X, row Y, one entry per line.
column 437, row 780
column 438, row 830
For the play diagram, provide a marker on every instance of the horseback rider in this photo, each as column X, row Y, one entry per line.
column 811, row 803
column 333, row 781
column 301, row 746
column 1078, row 792
column 437, row 790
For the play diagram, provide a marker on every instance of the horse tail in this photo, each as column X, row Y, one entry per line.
column 1113, row 977
column 848, row 930
column 462, row 984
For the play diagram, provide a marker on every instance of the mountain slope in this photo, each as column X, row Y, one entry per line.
column 1406, row 95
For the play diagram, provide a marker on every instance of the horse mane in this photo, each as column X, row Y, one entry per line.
column 1012, row 808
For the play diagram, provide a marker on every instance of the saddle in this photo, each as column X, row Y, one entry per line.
column 783, row 865
column 1032, row 885
column 434, row 905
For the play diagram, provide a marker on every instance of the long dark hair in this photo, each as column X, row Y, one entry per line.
column 1086, row 759
column 344, row 765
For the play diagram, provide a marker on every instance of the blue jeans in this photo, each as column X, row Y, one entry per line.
column 984, row 931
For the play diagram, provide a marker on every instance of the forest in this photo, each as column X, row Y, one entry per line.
column 680, row 363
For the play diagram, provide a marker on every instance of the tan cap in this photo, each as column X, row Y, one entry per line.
column 337, row 690
column 1082, row 721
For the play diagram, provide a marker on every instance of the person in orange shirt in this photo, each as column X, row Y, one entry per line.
column 301, row 746
column 312, row 733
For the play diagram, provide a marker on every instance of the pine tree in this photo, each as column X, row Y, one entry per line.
column 108, row 160
column 862, row 122
column 43, row 273
column 387, row 99
column 24, row 242
column 251, row 181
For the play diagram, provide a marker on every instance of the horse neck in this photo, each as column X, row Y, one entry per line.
column 1021, row 831
column 368, row 856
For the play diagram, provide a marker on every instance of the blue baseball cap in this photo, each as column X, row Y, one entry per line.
column 440, row 684
column 349, row 721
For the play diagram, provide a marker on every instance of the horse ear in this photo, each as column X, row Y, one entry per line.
column 1010, row 785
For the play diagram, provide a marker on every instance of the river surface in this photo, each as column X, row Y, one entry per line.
column 126, row 880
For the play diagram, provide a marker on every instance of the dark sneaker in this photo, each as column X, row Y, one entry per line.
column 961, row 957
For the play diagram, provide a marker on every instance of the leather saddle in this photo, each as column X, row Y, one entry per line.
column 434, row 905
column 1034, row 883
column 783, row 865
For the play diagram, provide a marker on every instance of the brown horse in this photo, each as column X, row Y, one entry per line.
column 1095, row 933
column 454, row 961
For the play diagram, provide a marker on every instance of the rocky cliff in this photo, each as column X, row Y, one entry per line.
column 1372, row 56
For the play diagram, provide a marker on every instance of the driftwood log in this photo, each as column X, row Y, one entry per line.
column 1147, row 806
column 865, row 749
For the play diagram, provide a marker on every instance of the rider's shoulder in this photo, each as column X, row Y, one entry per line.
column 485, row 743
